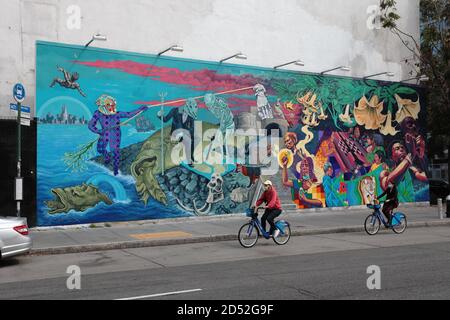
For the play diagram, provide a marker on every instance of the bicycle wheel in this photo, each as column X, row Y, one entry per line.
column 399, row 223
column 248, row 235
column 284, row 237
column 372, row 224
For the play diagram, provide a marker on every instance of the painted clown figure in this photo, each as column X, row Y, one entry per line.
column 109, row 132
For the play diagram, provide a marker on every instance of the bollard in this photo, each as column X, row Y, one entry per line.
column 448, row 206
column 440, row 209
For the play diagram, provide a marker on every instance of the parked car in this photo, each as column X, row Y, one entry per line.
column 438, row 189
column 14, row 238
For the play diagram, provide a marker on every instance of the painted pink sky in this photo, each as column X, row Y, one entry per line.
column 200, row 80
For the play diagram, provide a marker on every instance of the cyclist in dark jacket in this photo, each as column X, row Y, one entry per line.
column 391, row 200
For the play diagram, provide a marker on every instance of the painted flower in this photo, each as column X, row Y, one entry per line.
column 309, row 119
column 406, row 108
column 322, row 115
column 388, row 129
column 346, row 118
column 368, row 113
column 306, row 98
column 314, row 122
column 308, row 101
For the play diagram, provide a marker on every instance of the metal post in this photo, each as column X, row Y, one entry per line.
column 19, row 150
column 440, row 209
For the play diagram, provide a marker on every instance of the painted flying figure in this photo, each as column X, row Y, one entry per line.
column 110, row 133
column 69, row 81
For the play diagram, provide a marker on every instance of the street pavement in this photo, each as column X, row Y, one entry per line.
column 413, row 265
column 123, row 235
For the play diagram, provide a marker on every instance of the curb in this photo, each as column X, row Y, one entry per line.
column 203, row 239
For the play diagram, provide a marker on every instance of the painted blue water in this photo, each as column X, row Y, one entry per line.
column 120, row 194
column 53, row 142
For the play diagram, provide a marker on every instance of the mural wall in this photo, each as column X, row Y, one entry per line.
column 123, row 136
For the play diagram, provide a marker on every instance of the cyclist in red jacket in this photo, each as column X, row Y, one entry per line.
column 273, row 207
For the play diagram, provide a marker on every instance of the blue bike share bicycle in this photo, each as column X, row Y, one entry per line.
column 249, row 233
column 373, row 221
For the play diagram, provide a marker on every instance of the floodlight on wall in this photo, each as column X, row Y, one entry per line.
column 176, row 48
column 389, row 74
column 421, row 78
column 343, row 68
column 98, row 37
column 239, row 55
column 296, row 62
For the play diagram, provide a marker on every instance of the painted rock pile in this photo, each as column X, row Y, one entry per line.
column 184, row 185
column 187, row 186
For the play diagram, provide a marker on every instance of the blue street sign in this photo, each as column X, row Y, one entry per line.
column 19, row 92
column 23, row 109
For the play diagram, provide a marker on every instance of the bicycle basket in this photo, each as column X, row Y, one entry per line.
column 251, row 213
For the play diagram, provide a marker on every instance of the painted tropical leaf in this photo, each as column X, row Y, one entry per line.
column 324, row 93
column 405, row 90
column 395, row 86
column 372, row 83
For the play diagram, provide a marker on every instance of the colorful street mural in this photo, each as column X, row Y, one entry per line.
column 124, row 136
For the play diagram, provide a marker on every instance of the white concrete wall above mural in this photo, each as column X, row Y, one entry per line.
column 323, row 33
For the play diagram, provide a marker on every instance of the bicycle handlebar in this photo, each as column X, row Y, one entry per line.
column 260, row 208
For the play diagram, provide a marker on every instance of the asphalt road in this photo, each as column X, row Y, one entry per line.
column 415, row 265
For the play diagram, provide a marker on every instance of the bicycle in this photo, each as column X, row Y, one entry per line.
column 250, row 232
column 373, row 221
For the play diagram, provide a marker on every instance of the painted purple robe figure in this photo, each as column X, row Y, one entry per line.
column 109, row 132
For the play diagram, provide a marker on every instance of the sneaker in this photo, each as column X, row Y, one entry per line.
column 276, row 233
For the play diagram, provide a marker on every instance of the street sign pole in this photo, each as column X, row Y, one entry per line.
column 19, row 152
column 19, row 96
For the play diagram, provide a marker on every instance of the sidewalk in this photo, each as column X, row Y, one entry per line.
column 150, row 233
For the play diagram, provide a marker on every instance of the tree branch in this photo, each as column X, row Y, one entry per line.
column 409, row 36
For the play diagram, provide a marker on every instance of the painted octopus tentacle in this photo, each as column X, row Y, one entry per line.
column 204, row 212
column 183, row 206
column 202, row 208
